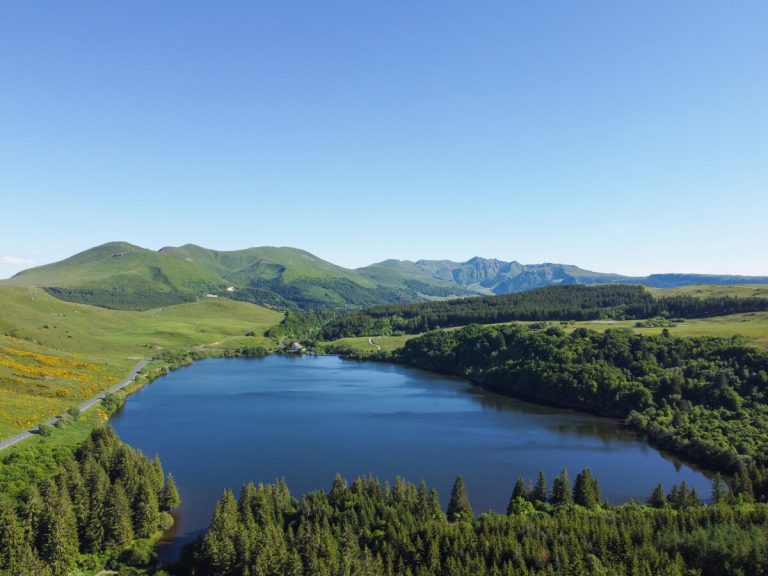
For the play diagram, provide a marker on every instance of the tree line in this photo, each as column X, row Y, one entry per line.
column 703, row 398
column 103, row 503
column 572, row 302
column 366, row 528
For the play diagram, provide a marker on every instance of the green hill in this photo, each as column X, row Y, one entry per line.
column 119, row 275
column 491, row 276
column 293, row 278
column 55, row 354
column 122, row 276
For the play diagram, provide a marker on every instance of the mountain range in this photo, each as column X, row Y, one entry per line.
column 124, row 276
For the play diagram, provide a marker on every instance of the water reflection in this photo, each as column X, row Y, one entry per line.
column 220, row 423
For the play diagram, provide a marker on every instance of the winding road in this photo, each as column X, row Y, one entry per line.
column 84, row 406
column 372, row 343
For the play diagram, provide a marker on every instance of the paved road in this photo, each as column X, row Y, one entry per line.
column 84, row 406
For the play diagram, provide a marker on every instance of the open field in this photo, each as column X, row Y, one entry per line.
column 55, row 354
column 753, row 326
column 361, row 344
column 712, row 290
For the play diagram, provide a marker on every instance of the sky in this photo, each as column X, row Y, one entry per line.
column 627, row 137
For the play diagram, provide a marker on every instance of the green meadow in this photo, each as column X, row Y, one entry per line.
column 712, row 291
column 753, row 326
column 362, row 344
column 56, row 354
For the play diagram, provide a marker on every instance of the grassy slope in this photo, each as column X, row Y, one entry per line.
column 397, row 273
column 108, row 342
column 266, row 263
column 101, row 265
column 361, row 344
column 709, row 290
column 753, row 326
column 122, row 276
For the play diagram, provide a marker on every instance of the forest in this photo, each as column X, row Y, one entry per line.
column 703, row 398
column 366, row 528
column 102, row 503
column 571, row 302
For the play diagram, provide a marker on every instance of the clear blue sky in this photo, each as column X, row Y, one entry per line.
column 625, row 137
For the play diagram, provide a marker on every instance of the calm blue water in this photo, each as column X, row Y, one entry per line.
column 221, row 423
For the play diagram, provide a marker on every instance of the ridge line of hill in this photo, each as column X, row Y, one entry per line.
column 121, row 275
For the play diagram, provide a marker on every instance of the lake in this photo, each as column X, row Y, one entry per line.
column 220, row 423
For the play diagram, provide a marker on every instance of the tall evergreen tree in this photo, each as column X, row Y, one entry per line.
column 517, row 492
column 59, row 545
column 657, row 499
column 14, row 545
column 586, row 491
column 96, row 483
column 459, row 507
column 169, row 495
column 218, row 544
column 118, row 525
column 146, row 514
column 32, row 514
column 561, row 489
column 539, row 493
column 719, row 490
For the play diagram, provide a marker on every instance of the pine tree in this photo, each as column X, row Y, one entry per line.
column 517, row 492
column 32, row 513
column 719, row 490
column 77, row 490
column 157, row 474
column 539, row 493
column 146, row 515
column 561, row 489
column 14, row 547
column 586, row 491
column 169, row 495
column 657, row 499
column 118, row 526
column 459, row 507
column 96, row 484
column 218, row 544
column 59, row 545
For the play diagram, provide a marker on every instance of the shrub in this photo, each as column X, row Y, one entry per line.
column 63, row 421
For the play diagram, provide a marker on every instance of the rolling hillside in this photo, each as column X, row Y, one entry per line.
column 491, row 276
column 122, row 276
column 119, row 275
column 55, row 354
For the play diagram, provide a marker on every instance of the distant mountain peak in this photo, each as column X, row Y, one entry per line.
column 120, row 274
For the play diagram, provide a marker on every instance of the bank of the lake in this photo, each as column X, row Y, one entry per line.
column 220, row 423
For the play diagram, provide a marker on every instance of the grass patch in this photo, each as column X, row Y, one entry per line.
column 56, row 354
column 361, row 344
column 753, row 326
column 713, row 291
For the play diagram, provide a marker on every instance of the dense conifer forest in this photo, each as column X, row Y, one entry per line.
column 573, row 302
column 367, row 528
column 102, row 504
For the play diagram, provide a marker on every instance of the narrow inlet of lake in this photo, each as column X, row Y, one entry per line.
column 221, row 423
